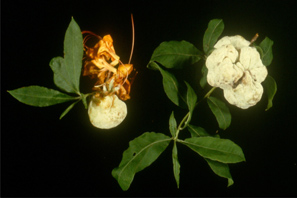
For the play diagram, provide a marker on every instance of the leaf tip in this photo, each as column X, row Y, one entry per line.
column 61, row 116
column 267, row 108
column 124, row 186
column 243, row 158
column 230, row 182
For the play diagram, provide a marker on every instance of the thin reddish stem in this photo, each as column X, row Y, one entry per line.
column 133, row 38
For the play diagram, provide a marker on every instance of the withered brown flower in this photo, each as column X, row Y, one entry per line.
column 102, row 62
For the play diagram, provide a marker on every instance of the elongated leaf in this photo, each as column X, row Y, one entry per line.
column 221, row 112
column 212, row 33
column 73, row 50
column 142, row 152
column 221, row 150
column 176, row 165
column 221, row 170
column 68, row 109
column 61, row 77
column 170, row 84
column 191, row 98
column 266, row 46
column 197, row 131
column 172, row 125
column 176, row 54
column 84, row 100
column 40, row 96
column 203, row 80
column 270, row 89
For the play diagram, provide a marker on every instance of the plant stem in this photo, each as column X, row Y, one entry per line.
column 208, row 93
column 179, row 128
column 184, row 122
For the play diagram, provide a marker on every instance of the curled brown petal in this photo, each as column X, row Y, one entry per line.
column 101, row 62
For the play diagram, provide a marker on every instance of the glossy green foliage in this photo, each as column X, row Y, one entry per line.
column 212, row 33
column 221, row 150
column 67, row 70
column 221, row 112
column 266, row 46
column 61, row 78
column 67, row 73
column 176, row 54
column 172, row 125
column 68, row 109
column 170, row 84
column 191, row 99
column 40, row 96
column 73, row 53
column 270, row 90
column 176, row 165
column 217, row 152
column 221, row 169
column 142, row 152
column 203, row 80
column 197, row 131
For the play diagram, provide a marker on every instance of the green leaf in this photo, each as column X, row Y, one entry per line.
column 61, row 78
column 68, row 109
column 221, row 112
column 270, row 89
column 73, row 50
column 170, row 84
column 176, row 165
column 84, row 100
column 40, row 96
column 153, row 65
column 266, row 46
column 67, row 71
column 203, row 80
column 172, row 125
column 142, row 152
column 197, row 131
column 191, row 98
column 221, row 170
column 176, row 54
column 212, row 33
column 221, row 150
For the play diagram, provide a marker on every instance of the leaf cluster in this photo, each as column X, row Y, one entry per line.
column 217, row 152
column 67, row 72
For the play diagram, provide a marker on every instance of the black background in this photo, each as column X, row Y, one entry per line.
column 44, row 156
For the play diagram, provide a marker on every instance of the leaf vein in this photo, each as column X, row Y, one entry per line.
column 141, row 152
column 222, row 115
column 213, row 32
column 186, row 142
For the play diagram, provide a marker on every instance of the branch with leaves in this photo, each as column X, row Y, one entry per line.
column 67, row 72
column 233, row 64
column 217, row 152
